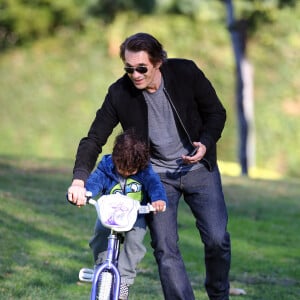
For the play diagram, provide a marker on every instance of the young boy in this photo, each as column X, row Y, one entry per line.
column 127, row 171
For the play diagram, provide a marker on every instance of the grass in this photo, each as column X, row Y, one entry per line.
column 44, row 241
column 50, row 91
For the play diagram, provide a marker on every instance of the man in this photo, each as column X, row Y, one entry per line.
column 174, row 107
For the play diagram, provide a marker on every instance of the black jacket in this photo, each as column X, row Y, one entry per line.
column 195, row 104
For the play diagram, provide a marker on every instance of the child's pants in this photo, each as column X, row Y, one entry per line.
column 131, row 253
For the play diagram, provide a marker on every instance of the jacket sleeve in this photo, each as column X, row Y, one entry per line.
column 210, row 108
column 91, row 146
column 153, row 185
column 95, row 182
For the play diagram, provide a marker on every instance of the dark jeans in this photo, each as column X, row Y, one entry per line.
column 202, row 191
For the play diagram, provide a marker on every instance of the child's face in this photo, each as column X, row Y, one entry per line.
column 125, row 173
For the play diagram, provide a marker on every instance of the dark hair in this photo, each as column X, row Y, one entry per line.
column 130, row 152
column 144, row 42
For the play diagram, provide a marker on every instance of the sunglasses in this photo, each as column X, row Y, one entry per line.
column 139, row 69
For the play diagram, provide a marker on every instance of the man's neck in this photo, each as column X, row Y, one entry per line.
column 154, row 86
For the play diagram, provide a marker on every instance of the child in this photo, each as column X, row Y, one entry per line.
column 127, row 171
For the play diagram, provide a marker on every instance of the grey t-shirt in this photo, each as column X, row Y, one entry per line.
column 167, row 142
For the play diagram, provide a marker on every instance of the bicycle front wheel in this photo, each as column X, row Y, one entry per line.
column 105, row 286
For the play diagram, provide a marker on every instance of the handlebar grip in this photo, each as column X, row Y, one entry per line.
column 88, row 196
column 69, row 200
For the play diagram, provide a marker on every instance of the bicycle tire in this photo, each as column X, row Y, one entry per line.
column 105, row 287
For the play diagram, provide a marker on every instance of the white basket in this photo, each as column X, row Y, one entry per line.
column 118, row 212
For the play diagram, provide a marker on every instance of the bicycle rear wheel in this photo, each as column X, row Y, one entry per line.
column 105, row 286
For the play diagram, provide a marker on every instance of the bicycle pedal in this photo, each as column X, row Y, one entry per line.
column 86, row 275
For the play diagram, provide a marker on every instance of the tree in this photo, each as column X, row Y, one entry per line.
column 23, row 21
column 239, row 30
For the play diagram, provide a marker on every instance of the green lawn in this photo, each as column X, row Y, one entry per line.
column 44, row 240
column 50, row 91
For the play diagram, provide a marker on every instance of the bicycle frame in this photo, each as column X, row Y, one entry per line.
column 106, row 279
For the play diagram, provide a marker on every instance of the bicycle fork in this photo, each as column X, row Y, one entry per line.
column 110, row 265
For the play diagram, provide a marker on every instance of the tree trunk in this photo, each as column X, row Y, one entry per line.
column 244, row 89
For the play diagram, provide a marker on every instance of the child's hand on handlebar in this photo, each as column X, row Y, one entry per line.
column 159, row 205
column 77, row 193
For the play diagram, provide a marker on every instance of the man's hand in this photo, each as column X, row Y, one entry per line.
column 201, row 150
column 76, row 192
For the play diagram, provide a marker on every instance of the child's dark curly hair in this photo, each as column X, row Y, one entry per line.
column 130, row 152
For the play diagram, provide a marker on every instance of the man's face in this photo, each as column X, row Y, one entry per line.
column 149, row 80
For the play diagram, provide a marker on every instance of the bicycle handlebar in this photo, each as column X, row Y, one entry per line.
column 88, row 196
column 143, row 209
column 118, row 212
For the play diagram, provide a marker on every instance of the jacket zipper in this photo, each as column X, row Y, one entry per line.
column 122, row 182
column 185, row 130
column 177, row 114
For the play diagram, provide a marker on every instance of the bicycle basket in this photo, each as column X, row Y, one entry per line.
column 118, row 212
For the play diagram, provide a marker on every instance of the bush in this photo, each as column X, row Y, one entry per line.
column 22, row 21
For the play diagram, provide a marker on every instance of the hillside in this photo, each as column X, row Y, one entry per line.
column 51, row 89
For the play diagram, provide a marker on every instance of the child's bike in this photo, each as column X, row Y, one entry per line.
column 117, row 212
